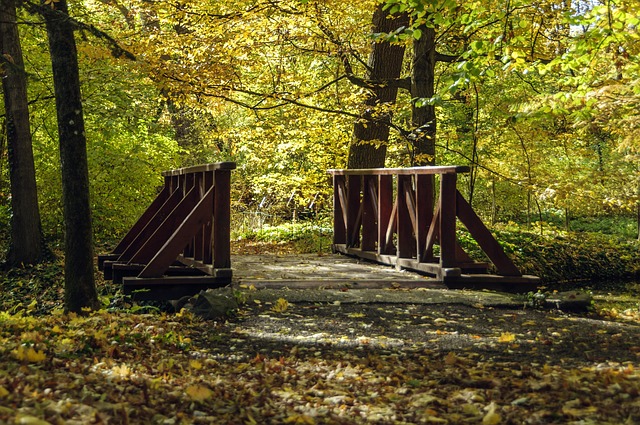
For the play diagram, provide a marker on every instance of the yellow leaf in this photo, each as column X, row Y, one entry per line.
column 491, row 418
column 507, row 337
column 300, row 420
column 31, row 307
column 121, row 371
column 198, row 392
column 451, row 359
column 281, row 306
column 30, row 420
column 3, row 391
column 29, row 354
column 195, row 364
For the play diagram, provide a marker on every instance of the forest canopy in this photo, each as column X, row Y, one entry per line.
column 539, row 98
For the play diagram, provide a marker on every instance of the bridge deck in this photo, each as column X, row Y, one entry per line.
column 299, row 271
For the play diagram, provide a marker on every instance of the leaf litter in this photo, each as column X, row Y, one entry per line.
column 320, row 363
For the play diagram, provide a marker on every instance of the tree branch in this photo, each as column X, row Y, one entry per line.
column 46, row 11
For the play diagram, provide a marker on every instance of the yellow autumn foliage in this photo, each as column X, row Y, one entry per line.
column 28, row 354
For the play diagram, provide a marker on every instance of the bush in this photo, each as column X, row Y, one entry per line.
column 559, row 257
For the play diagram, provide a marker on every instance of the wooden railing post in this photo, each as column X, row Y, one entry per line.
column 369, row 213
column 385, row 210
column 339, row 210
column 354, row 212
column 221, row 247
column 447, row 220
column 406, row 241
column 424, row 213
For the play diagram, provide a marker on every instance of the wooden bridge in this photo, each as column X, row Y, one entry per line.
column 181, row 243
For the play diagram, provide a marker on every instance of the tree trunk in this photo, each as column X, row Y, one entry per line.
column 26, row 233
column 80, row 289
column 368, row 148
column 423, row 117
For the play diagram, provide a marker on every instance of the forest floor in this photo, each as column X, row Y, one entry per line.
column 277, row 361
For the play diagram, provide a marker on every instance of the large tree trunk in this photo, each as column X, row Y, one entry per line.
column 368, row 148
column 423, row 117
column 26, row 234
column 80, row 290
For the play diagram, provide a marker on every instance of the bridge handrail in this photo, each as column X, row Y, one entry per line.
column 391, row 215
column 200, row 168
column 185, row 230
column 435, row 169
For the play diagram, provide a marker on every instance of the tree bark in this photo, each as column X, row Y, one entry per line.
column 26, row 232
column 423, row 117
column 80, row 289
column 368, row 147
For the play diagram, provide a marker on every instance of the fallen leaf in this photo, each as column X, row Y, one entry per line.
column 198, row 392
column 281, row 306
column 491, row 418
column 507, row 337
column 23, row 353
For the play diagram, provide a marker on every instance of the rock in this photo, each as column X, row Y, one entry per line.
column 575, row 301
column 213, row 303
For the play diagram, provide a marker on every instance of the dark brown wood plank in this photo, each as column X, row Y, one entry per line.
column 447, row 232
column 207, row 231
column 354, row 211
column 369, row 214
column 424, row 214
column 442, row 169
column 432, row 236
column 170, row 288
column 164, row 231
column 406, row 242
column 385, row 208
column 485, row 239
column 161, row 215
column 144, row 219
column 201, row 168
column 339, row 210
column 174, row 245
column 221, row 219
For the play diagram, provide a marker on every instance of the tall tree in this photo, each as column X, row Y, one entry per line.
column 368, row 149
column 26, row 235
column 80, row 289
column 423, row 114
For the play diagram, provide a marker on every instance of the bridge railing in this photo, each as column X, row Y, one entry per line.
column 181, row 243
column 397, row 216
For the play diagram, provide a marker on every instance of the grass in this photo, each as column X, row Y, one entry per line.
column 304, row 237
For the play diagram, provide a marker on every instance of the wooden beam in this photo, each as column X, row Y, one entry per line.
column 220, row 206
column 151, row 227
column 144, row 219
column 166, row 229
column 369, row 214
column 354, row 209
column 385, row 208
column 339, row 210
column 447, row 231
column 485, row 239
column 424, row 214
column 174, row 245
column 406, row 241
column 441, row 169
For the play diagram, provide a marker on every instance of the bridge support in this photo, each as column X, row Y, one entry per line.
column 388, row 215
column 181, row 243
